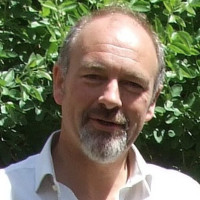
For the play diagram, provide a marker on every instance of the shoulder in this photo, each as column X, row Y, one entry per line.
column 169, row 174
column 20, row 169
column 173, row 184
column 16, row 175
column 26, row 164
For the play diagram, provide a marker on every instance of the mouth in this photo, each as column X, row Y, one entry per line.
column 109, row 123
column 108, row 126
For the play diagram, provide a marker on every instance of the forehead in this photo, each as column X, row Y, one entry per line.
column 117, row 35
column 116, row 28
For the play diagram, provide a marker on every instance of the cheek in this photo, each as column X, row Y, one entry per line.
column 80, row 98
column 136, row 122
column 136, row 110
column 137, row 105
column 85, row 94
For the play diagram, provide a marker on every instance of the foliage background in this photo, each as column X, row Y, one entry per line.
column 31, row 33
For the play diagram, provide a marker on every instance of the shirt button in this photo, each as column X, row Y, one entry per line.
column 55, row 188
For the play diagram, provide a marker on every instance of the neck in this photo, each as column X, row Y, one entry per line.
column 84, row 176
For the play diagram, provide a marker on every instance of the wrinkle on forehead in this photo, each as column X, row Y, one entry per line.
column 123, row 52
column 109, row 59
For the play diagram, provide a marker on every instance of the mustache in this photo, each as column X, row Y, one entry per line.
column 110, row 115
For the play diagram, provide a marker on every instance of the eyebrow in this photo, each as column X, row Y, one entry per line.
column 93, row 66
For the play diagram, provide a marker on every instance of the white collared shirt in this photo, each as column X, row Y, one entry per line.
column 34, row 179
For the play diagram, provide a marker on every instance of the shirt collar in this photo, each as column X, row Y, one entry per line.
column 44, row 165
column 138, row 171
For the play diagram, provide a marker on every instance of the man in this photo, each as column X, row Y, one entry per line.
column 107, row 79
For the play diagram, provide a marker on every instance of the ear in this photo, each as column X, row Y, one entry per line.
column 58, row 84
column 151, row 109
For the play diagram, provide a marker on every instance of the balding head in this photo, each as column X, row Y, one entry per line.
column 137, row 19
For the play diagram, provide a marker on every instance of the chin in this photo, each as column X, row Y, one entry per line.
column 102, row 147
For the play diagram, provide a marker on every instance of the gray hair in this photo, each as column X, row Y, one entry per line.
column 64, row 57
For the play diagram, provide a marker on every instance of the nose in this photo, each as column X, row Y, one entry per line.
column 110, row 97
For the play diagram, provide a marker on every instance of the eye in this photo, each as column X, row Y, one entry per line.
column 132, row 86
column 93, row 78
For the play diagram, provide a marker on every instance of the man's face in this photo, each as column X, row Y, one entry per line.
column 106, row 96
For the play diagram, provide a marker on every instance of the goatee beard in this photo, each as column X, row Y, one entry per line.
column 101, row 146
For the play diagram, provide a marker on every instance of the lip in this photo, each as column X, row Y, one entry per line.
column 106, row 125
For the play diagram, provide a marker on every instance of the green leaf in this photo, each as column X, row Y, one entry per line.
column 189, row 100
column 35, row 60
column 141, row 6
column 169, row 30
column 53, row 35
column 198, row 35
column 168, row 105
column 159, row 136
column 36, row 24
column 1, row 46
column 170, row 119
column 182, row 37
column 10, row 76
column 194, row 51
column 178, row 47
column 170, row 74
column 25, row 96
column 171, row 133
column 5, row 91
column 168, row 6
column 160, row 110
column 177, row 112
column 176, row 90
column 3, row 109
column 39, row 114
column 159, row 27
column 37, row 93
column 2, row 82
column 186, row 72
column 70, row 20
column 194, row 3
column 45, row 12
column 26, row 87
column 177, row 20
column 38, row 111
column 180, row 21
column 8, row 54
column 67, row 6
column 172, row 19
column 15, row 94
column 50, row 5
column 53, row 50
column 83, row 8
column 190, row 10
column 154, row 1
column 42, row 74
column 26, row 105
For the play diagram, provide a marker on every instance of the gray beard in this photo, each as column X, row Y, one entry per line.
column 103, row 147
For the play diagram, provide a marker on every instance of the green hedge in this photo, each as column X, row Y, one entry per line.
column 31, row 32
